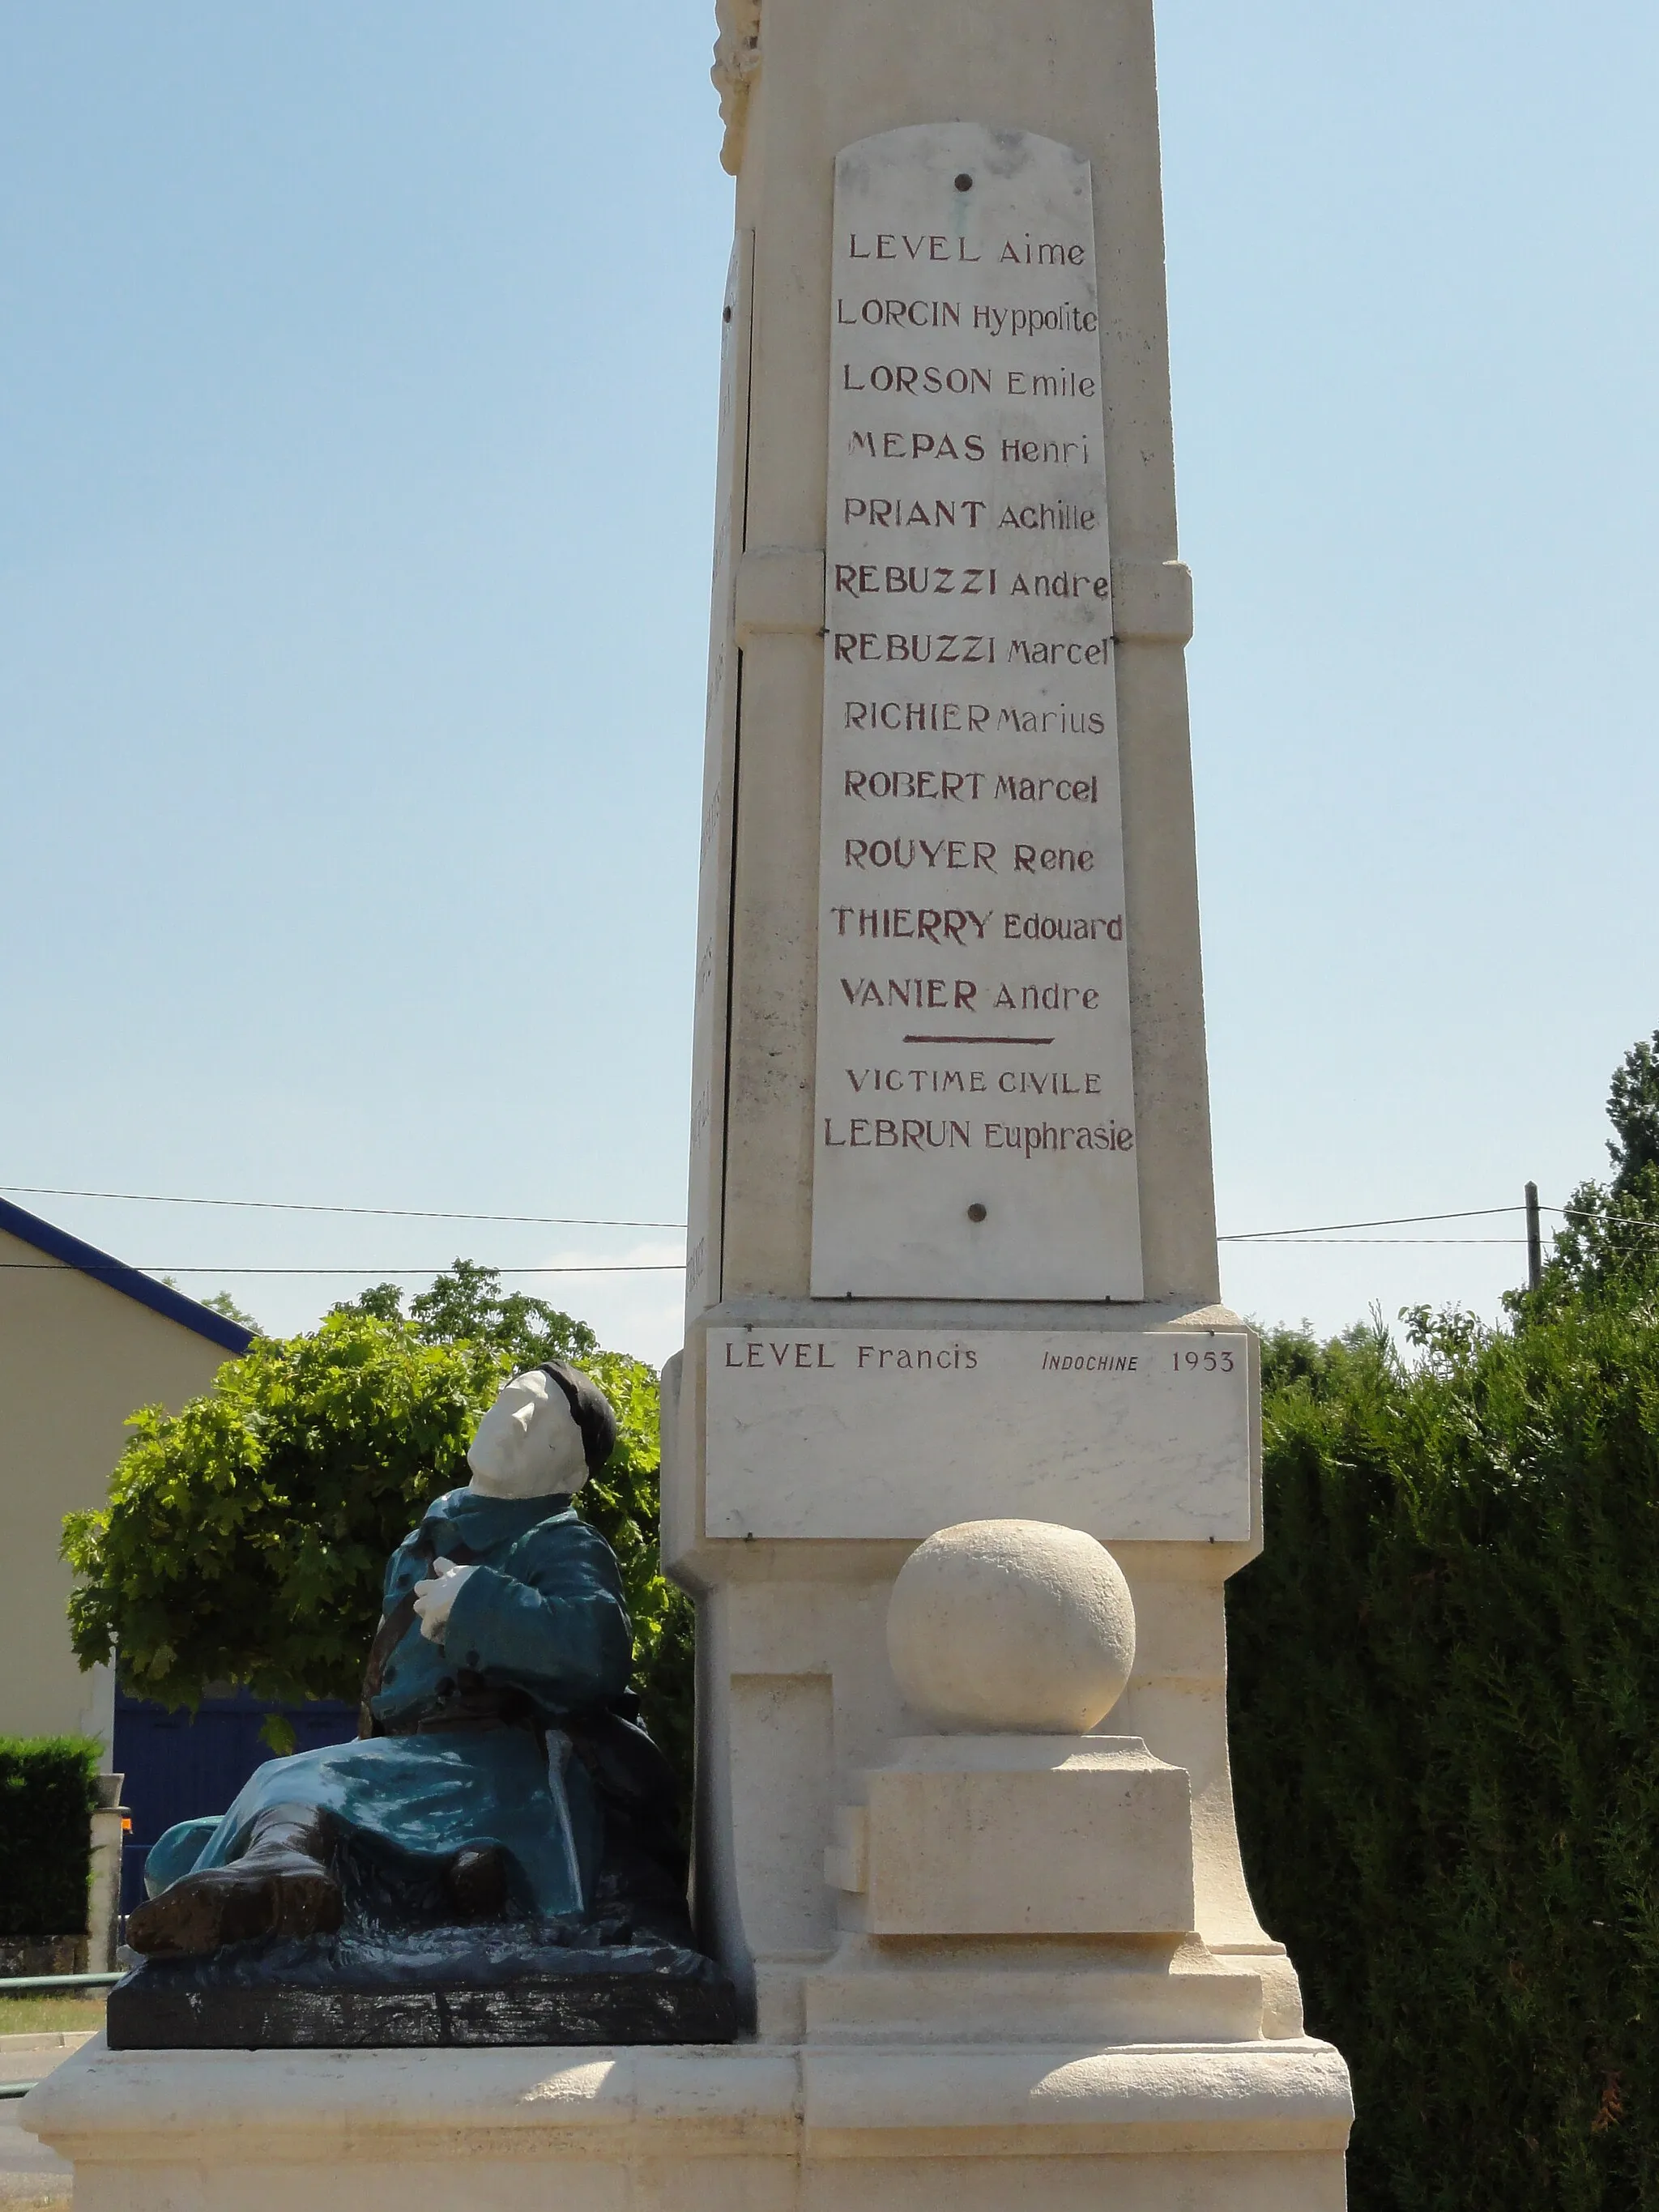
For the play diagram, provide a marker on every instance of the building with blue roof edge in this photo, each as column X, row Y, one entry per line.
column 85, row 1340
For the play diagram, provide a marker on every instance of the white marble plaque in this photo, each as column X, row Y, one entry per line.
column 975, row 1108
column 835, row 1433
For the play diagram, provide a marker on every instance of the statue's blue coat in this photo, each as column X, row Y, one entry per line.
column 543, row 1614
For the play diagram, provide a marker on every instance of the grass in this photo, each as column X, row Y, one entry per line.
column 38, row 2016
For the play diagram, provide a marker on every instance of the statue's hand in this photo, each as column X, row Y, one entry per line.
column 432, row 1599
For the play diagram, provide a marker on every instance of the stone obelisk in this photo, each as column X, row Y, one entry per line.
column 952, row 1250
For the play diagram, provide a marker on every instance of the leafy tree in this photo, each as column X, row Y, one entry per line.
column 1633, row 1109
column 1611, row 1237
column 220, row 1302
column 467, row 1302
column 246, row 1536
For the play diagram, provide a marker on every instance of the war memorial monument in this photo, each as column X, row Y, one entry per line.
column 962, row 1447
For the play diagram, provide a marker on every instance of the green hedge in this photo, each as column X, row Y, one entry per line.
column 47, row 1792
column 1444, row 1696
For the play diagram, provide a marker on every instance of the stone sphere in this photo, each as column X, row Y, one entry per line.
column 1000, row 1627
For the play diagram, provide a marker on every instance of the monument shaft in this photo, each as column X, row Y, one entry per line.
column 950, row 1093
column 820, row 79
column 952, row 1250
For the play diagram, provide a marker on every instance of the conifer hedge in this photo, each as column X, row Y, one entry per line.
column 1444, row 1693
column 47, row 1795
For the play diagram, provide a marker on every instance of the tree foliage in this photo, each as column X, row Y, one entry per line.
column 220, row 1302
column 1610, row 1241
column 467, row 1303
column 247, row 1536
column 1443, row 1671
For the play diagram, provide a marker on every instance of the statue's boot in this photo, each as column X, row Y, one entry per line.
column 475, row 1882
column 281, row 1885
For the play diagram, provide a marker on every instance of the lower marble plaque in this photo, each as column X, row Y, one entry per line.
column 1137, row 1438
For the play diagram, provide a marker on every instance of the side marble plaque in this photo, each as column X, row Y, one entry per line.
column 975, row 1105
column 1137, row 1437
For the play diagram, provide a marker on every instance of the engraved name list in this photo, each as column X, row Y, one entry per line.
column 975, row 1108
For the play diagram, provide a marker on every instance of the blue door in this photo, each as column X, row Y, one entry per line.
column 180, row 1766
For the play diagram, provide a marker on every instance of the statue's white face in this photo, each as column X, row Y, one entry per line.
column 528, row 1444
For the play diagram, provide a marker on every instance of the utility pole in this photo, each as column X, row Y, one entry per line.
column 1535, row 1241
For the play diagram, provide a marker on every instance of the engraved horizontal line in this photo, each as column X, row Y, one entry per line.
column 914, row 1038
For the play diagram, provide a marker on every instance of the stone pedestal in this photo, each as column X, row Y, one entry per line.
column 866, row 2124
column 796, row 1695
column 1014, row 2011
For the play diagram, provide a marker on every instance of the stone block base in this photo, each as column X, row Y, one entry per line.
column 1236, row 2127
column 435, row 1988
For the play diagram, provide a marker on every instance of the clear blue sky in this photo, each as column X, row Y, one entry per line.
column 356, row 438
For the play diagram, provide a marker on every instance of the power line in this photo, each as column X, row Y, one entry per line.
column 1309, row 1232
column 117, row 1267
column 1330, row 1231
column 296, row 1205
column 579, row 1221
column 1397, row 1221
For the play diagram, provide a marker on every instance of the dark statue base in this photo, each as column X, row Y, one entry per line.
column 519, row 1983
